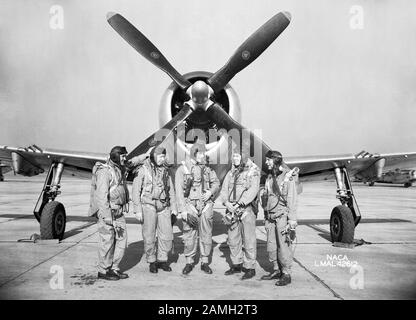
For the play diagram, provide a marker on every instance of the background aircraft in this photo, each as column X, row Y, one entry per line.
column 406, row 177
column 295, row 83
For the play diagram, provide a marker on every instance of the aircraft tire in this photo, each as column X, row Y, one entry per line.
column 342, row 225
column 53, row 221
column 407, row 184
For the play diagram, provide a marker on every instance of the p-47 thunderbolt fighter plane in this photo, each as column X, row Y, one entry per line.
column 201, row 102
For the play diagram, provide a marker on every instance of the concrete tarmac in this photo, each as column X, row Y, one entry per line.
column 384, row 269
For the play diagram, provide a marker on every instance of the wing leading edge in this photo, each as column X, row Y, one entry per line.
column 33, row 160
column 314, row 168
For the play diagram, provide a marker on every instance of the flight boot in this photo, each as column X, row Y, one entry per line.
column 153, row 267
column 284, row 280
column 119, row 274
column 164, row 266
column 276, row 274
column 108, row 276
column 250, row 273
column 235, row 268
column 205, row 267
column 188, row 268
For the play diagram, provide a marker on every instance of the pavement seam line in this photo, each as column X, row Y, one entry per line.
column 336, row 295
column 18, row 218
column 31, row 268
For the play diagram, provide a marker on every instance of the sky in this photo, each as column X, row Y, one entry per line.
column 341, row 78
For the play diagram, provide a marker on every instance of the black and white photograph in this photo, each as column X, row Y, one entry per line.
column 226, row 152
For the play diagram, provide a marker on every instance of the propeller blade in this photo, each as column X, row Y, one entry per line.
column 164, row 132
column 250, row 50
column 146, row 48
column 223, row 121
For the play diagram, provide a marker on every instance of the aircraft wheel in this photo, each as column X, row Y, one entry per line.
column 407, row 184
column 53, row 221
column 342, row 225
column 371, row 183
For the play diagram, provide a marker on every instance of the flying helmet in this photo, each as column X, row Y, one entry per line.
column 244, row 152
column 116, row 152
column 155, row 152
column 276, row 156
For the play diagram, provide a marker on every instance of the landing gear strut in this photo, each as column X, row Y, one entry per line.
column 50, row 213
column 345, row 217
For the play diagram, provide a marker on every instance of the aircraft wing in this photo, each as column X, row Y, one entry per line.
column 33, row 160
column 362, row 164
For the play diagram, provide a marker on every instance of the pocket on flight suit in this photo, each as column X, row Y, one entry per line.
column 121, row 234
column 106, row 233
column 104, row 228
column 209, row 210
column 234, row 235
column 281, row 224
column 206, row 223
column 271, row 236
column 190, row 210
column 164, row 225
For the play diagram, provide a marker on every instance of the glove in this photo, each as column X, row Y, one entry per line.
column 227, row 219
column 192, row 220
column 230, row 207
column 290, row 231
column 207, row 195
column 173, row 218
column 135, row 161
column 139, row 216
column 119, row 230
column 108, row 221
column 292, row 224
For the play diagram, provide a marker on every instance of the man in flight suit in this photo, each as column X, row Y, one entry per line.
column 278, row 196
column 110, row 196
column 240, row 188
column 154, row 205
column 196, row 185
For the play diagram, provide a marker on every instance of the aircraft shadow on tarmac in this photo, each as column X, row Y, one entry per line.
column 135, row 250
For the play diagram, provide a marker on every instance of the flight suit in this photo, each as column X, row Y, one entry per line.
column 197, row 179
column 154, row 196
column 278, row 210
column 242, row 187
column 111, row 198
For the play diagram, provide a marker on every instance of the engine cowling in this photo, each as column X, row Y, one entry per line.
column 173, row 98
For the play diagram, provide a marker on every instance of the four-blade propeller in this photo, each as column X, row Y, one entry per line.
column 252, row 48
